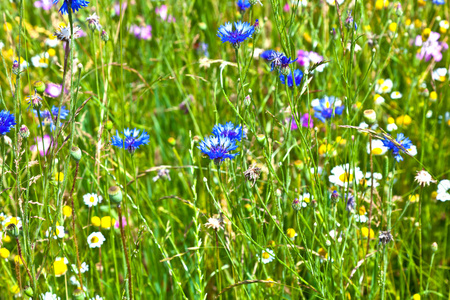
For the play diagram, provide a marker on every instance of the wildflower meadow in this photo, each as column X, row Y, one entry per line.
column 222, row 149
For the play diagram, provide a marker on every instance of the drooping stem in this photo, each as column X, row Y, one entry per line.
column 19, row 249
column 127, row 259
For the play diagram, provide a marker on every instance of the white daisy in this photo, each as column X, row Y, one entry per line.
column 40, row 60
column 378, row 147
column 344, row 176
column 361, row 216
column 440, row 74
column 412, row 151
column 58, row 233
column 97, row 297
column 333, row 2
column 73, row 280
column 444, row 24
column 378, row 99
column 92, row 199
column 12, row 220
column 396, row 95
column 443, row 191
column 305, row 199
column 267, row 256
column 51, row 42
column 383, row 86
column 95, row 239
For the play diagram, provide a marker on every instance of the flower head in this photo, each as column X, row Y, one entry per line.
column 267, row 256
column 229, row 130
column 75, row 5
column 344, row 176
column 242, row 31
column 94, row 22
column 92, row 199
column 95, row 239
column 443, row 190
column 327, row 107
column 7, row 121
column 132, row 139
column 218, row 148
column 278, row 61
column 216, row 223
column 424, row 178
column 63, row 33
column 243, row 5
column 298, row 75
column 401, row 143
column 57, row 233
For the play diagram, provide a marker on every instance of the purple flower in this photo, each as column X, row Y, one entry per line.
column 304, row 119
column 43, row 147
column 117, row 7
column 53, row 90
column 141, row 32
column 124, row 223
column 162, row 12
column 431, row 48
column 308, row 58
column 44, row 4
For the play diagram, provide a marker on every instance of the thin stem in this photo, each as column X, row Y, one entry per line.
column 73, row 225
column 122, row 234
column 19, row 249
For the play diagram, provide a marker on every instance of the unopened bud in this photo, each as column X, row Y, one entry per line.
column 75, row 152
column 105, row 36
column 39, row 86
column 29, row 291
column 115, row 194
column 109, row 125
column 24, row 131
column 12, row 230
column 370, row 115
column 261, row 138
column 434, row 247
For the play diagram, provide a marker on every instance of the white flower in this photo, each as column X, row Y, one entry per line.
column 40, row 60
column 333, row 2
column 424, row 178
column 63, row 33
column 443, row 191
column 376, row 177
column 391, row 127
column 361, row 216
column 12, row 220
column 1, row 45
column 92, row 199
column 444, row 24
column 378, row 99
column 58, row 233
column 267, row 256
column 343, row 175
column 383, row 86
column 378, row 147
column 396, row 95
column 439, row 74
column 73, row 280
column 51, row 42
column 49, row 296
column 412, row 151
column 95, row 239
column 305, row 199
column 363, row 125
column 216, row 223
column 94, row 19
column 83, row 268
column 357, row 47
column 97, row 297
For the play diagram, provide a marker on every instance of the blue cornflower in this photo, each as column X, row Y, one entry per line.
column 132, row 141
column 218, row 148
column 74, row 4
column 7, row 121
column 401, row 143
column 49, row 117
column 243, row 5
column 243, row 31
column 298, row 75
column 277, row 60
column 439, row 2
column 229, row 130
column 327, row 107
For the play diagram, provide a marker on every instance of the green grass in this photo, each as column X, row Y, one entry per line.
column 131, row 83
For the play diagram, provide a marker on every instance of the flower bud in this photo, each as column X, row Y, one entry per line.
column 16, row 67
column 115, row 194
column 29, row 291
column 261, row 138
column 370, row 115
column 109, row 125
column 296, row 204
column 75, row 152
column 39, row 86
column 12, row 230
column 78, row 294
column 434, row 247
column 24, row 131
column 105, row 36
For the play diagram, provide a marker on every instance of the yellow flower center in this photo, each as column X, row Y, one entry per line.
column 94, row 239
column 290, row 233
column 346, row 177
column 265, row 255
column 92, row 199
column 377, row 151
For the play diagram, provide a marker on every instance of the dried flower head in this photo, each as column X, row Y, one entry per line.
column 385, row 237
column 216, row 222
column 63, row 33
column 424, row 178
column 252, row 174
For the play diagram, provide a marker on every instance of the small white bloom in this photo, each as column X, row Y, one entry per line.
column 378, row 147
column 49, row 296
column 443, row 191
column 95, row 239
column 267, row 256
column 344, row 176
column 396, row 95
column 83, row 268
column 383, row 86
column 92, row 199
column 58, row 233
column 424, row 178
column 51, row 42
column 391, row 127
column 440, row 74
